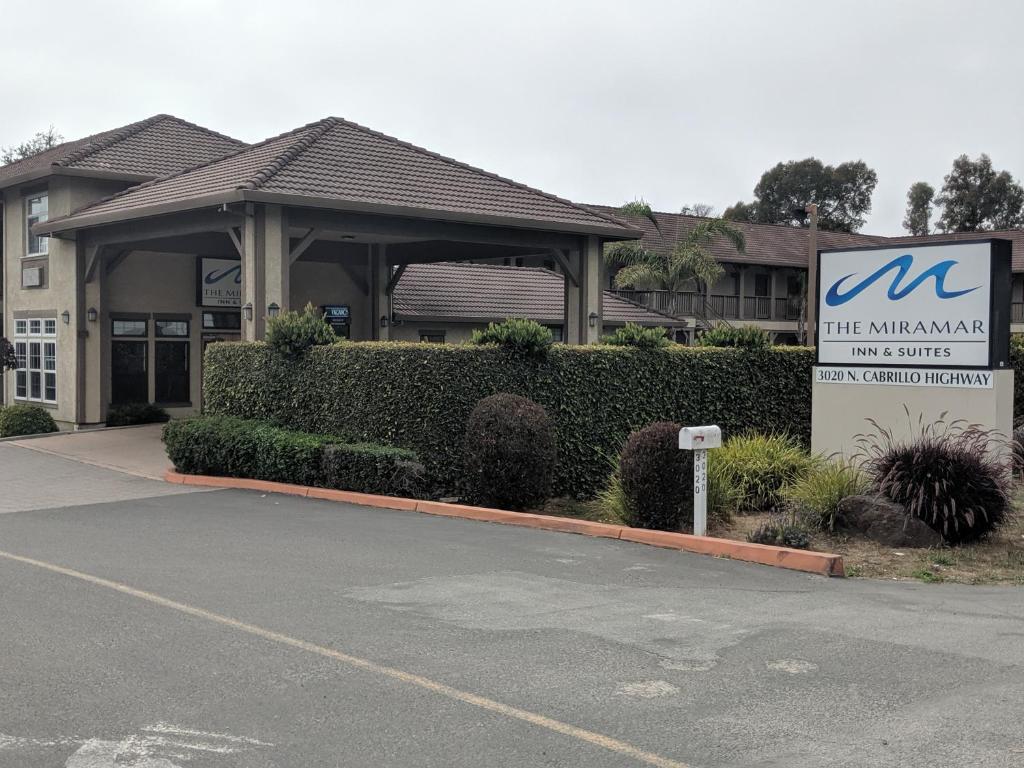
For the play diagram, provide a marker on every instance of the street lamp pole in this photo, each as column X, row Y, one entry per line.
column 812, row 275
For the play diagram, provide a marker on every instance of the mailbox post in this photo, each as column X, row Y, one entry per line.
column 699, row 440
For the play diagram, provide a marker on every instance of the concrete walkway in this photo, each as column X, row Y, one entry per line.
column 133, row 450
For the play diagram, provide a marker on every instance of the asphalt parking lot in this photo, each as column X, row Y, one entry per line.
column 148, row 626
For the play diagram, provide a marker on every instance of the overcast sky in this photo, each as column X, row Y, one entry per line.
column 675, row 102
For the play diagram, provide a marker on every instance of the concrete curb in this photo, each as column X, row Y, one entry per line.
column 821, row 563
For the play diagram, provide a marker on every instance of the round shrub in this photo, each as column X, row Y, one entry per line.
column 634, row 335
column 290, row 334
column 744, row 336
column 510, row 452
column 656, row 477
column 946, row 476
column 526, row 338
column 25, row 420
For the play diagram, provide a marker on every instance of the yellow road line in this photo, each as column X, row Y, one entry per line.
column 541, row 721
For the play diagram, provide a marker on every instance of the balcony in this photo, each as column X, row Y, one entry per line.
column 691, row 304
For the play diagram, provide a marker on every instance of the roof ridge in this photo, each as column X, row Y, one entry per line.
column 227, row 155
column 294, row 150
column 467, row 166
column 118, row 134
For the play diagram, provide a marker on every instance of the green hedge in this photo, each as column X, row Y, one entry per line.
column 419, row 396
column 234, row 447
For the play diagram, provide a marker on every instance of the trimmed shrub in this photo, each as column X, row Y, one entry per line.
column 369, row 468
column 657, row 478
column 18, row 420
column 815, row 497
column 419, row 396
column 510, row 452
column 128, row 414
column 526, row 338
column 761, row 467
column 633, row 335
column 947, row 476
column 290, row 334
column 743, row 336
column 233, row 447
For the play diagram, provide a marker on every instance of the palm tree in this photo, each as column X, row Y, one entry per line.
column 674, row 268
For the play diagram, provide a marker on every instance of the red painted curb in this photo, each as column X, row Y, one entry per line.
column 803, row 560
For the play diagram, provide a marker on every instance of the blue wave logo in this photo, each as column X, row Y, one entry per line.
column 216, row 277
column 902, row 264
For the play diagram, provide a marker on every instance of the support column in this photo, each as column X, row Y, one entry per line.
column 741, row 311
column 584, row 301
column 380, row 301
column 95, row 373
column 253, row 293
column 277, row 259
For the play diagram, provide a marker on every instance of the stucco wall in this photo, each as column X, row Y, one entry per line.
column 323, row 283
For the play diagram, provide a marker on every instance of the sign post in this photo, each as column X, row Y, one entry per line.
column 699, row 440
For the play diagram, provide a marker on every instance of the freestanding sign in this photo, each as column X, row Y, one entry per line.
column 908, row 326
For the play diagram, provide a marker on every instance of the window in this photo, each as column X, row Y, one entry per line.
column 35, row 348
column 222, row 321
column 129, row 328
column 37, row 209
column 556, row 332
column 171, row 329
column 762, row 285
column 432, row 337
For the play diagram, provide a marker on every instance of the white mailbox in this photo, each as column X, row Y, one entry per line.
column 700, row 438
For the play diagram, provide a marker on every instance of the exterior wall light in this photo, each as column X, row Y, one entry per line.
column 593, row 319
column 66, row 317
column 383, row 321
column 273, row 310
column 247, row 311
column 91, row 314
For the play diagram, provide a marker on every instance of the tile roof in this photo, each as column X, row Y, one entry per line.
column 461, row 292
column 153, row 147
column 338, row 163
column 774, row 244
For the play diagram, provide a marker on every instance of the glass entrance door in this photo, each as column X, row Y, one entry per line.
column 129, row 379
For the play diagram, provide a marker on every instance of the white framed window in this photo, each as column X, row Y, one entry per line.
column 35, row 348
column 37, row 209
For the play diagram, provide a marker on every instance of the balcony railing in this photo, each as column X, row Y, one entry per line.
column 1017, row 312
column 691, row 304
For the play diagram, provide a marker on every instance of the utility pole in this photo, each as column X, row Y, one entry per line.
column 812, row 275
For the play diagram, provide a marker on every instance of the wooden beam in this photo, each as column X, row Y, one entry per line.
column 393, row 282
column 93, row 257
column 116, row 261
column 236, row 239
column 308, row 239
column 164, row 226
column 559, row 256
column 355, row 277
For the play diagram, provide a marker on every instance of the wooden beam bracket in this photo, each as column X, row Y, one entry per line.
column 559, row 256
column 300, row 247
column 395, row 277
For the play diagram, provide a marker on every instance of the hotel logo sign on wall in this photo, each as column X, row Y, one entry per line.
column 913, row 306
column 219, row 282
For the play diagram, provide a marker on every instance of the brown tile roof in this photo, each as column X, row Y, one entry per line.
column 337, row 163
column 460, row 292
column 774, row 244
column 153, row 147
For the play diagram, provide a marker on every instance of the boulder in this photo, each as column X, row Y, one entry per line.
column 886, row 522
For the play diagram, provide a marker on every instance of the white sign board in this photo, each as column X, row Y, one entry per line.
column 219, row 282
column 904, row 377
column 912, row 305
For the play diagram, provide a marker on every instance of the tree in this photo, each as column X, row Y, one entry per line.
column 8, row 360
column 919, row 208
column 702, row 210
column 675, row 266
column 842, row 192
column 975, row 197
column 42, row 141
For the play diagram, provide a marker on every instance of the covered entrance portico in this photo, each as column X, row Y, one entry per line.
column 161, row 274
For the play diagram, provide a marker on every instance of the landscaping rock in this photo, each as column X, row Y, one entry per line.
column 885, row 522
